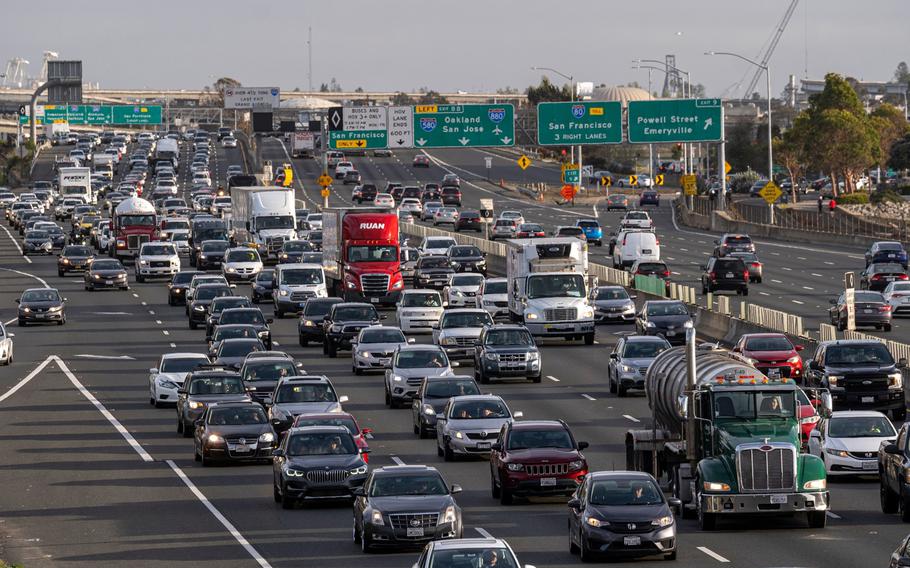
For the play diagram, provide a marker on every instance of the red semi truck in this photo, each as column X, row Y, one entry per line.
column 134, row 222
column 360, row 254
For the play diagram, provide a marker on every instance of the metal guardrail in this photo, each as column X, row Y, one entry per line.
column 827, row 332
column 723, row 305
column 772, row 319
column 651, row 285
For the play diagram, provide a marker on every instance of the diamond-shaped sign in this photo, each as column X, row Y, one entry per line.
column 524, row 162
column 770, row 193
column 324, row 180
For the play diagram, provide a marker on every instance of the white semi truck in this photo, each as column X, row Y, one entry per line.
column 547, row 281
column 263, row 217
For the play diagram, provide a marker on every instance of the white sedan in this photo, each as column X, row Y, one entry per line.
column 419, row 310
column 168, row 377
column 848, row 441
column 463, row 290
column 228, row 142
column 384, row 200
column 897, row 294
column 6, row 345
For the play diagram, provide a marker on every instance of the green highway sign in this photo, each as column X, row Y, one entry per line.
column 464, row 126
column 55, row 113
column 366, row 139
column 571, row 176
column 675, row 120
column 359, row 127
column 574, row 123
column 97, row 114
column 136, row 114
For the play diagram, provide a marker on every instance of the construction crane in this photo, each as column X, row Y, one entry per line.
column 781, row 26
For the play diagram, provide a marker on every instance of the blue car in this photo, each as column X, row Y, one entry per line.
column 594, row 233
column 887, row 251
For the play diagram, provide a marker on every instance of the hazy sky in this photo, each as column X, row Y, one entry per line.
column 449, row 45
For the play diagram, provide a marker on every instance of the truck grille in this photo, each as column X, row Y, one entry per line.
column 547, row 469
column 414, row 520
column 857, row 384
column 160, row 263
column 135, row 241
column 512, row 357
column 352, row 329
column 561, row 314
column 301, row 296
column 375, row 283
column 766, row 468
column 501, row 304
column 274, row 243
column 465, row 341
column 319, row 476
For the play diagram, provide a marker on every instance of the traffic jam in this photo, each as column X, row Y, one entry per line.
column 450, row 343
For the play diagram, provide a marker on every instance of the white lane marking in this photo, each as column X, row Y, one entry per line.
column 135, row 295
column 552, row 378
column 276, row 344
column 816, row 274
column 16, row 244
column 10, row 321
column 712, row 554
column 764, row 293
column 785, row 268
column 165, row 332
column 829, row 263
column 158, row 322
column 833, row 515
column 808, row 288
column 397, row 460
column 670, row 258
column 684, row 250
column 797, row 302
column 144, row 303
column 116, row 357
column 589, row 397
column 112, row 313
column 776, row 253
column 151, row 312
column 776, row 281
column 27, row 378
column 104, row 411
column 801, row 258
column 173, row 345
column 38, row 278
column 483, row 532
column 632, row 418
column 217, row 514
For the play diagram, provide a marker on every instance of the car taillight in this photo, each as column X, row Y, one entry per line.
column 885, row 308
column 712, row 275
column 876, row 276
column 746, row 275
column 667, row 273
column 756, row 264
column 903, row 277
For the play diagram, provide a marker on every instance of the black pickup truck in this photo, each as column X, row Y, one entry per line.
column 344, row 322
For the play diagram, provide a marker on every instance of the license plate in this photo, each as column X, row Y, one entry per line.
column 867, row 311
column 548, row 482
column 384, row 361
column 729, row 275
column 108, row 282
column 867, row 399
column 412, row 532
column 890, row 256
column 870, row 465
column 374, row 300
column 631, row 540
column 41, row 316
column 671, row 333
column 483, row 445
column 778, row 499
column 890, row 279
column 241, row 449
column 774, row 373
column 645, row 251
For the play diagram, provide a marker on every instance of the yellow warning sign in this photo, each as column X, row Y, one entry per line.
column 659, row 179
column 770, row 193
column 324, row 180
column 606, row 181
column 633, row 180
column 727, row 167
column 524, row 162
column 325, row 192
column 689, row 185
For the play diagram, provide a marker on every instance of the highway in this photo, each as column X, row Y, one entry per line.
column 95, row 476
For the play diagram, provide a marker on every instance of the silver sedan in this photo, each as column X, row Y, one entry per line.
column 445, row 215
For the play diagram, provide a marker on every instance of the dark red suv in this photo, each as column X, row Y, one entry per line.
column 451, row 196
column 536, row 457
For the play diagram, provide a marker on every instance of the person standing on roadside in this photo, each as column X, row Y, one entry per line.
column 821, row 203
column 832, row 204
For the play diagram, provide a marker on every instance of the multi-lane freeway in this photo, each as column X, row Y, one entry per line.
column 94, row 476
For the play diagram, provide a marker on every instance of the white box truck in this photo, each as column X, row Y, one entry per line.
column 263, row 217
column 57, row 133
column 548, row 287
column 303, row 144
column 76, row 182
column 104, row 164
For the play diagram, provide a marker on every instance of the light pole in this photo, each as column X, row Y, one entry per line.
column 571, row 81
column 650, row 146
column 687, row 92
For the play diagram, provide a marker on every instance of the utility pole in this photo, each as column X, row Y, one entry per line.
column 309, row 48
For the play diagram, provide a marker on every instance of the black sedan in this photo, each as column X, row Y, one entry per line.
column 309, row 328
column 870, row 310
column 41, row 305
column 37, row 242
column 469, row 220
column 292, row 251
column 263, row 285
column 467, row 258
column 667, row 318
column 621, row 514
column 210, row 254
column 877, row 276
column 232, row 352
column 57, row 235
column 233, row 431
column 106, row 273
column 74, row 258
column 249, row 316
column 177, row 287
column 202, row 300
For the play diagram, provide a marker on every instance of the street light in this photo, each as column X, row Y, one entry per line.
column 687, row 92
column 650, row 146
column 571, row 81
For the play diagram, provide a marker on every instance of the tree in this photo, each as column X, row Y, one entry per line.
column 323, row 88
column 902, row 73
column 431, row 97
column 900, row 154
column 742, row 150
column 507, row 90
column 698, row 91
column 216, row 93
column 837, row 94
column 790, row 151
column 358, row 90
column 548, row 92
column 890, row 124
column 334, row 86
column 401, row 99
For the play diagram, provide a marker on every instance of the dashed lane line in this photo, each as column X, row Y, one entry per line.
column 589, row 397
column 712, row 554
column 483, row 532
column 552, row 378
column 632, row 418
column 397, row 460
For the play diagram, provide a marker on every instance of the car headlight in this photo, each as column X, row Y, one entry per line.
column 66, row 261
column 489, row 303
column 198, row 308
column 263, row 333
column 231, row 269
column 215, row 439
column 194, row 405
column 97, row 277
column 491, row 356
column 587, row 312
column 143, row 262
column 895, row 380
column 663, row 521
column 713, row 486
column 283, row 293
column 531, row 316
column 27, row 309
column 308, row 323
column 359, row 470
column 376, row 518
column 595, row 522
column 838, row 453
column 576, row 465
column 515, row 466
column 626, row 368
column 449, row 341
column 459, row 435
column 794, row 359
column 166, row 384
column 397, row 378
column 832, row 379
column 428, row 410
column 295, row 472
column 688, row 324
column 448, row 516
column 267, row 437
column 816, row 484
column 55, row 308
column 650, row 324
column 457, row 292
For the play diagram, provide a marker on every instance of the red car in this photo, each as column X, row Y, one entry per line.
column 771, row 353
column 421, row 161
column 536, row 457
column 530, row 231
column 338, row 419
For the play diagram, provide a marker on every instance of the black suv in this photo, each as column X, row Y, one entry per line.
column 367, row 192
column 432, row 396
column 894, row 473
column 451, row 196
column 860, row 374
column 249, row 316
column 733, row 243
column 210, row 254
column 506, row 350
column 309, row 328
column 202, row 388
column 433, row 271
column 202, row 298
column 667, row 318
column 176, row 288
column 467, row 258
column 218, row 306
column 261, row 374
column 405, row 506
column 344, row 322
column 727, row 273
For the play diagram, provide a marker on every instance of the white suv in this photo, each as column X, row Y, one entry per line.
column 241, row 263
column 343, row 168
column 419, row 310
column 158, row 259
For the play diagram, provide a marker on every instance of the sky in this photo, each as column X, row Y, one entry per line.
column 470, row 45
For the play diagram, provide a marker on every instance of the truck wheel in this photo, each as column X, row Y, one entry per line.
column 332, row 350
column 706, row 521
column 304, row 342
column 817, row 519
column 887, row 497
column 589, row 339
column 612, row 384
column 620, row 391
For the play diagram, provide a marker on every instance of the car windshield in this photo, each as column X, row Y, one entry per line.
column 382, row 336
column 433, row 262
column 530, row 228
column 548, row 438
column 500, row 287
column 77, row 251
column 464, row 251
column 589, row 224
column 317, row 309
column 556, row 286
column 107, row 265
column 252, row 317
column 625, row 492
column 479, row 410
column 356, row 313
column 345, row 421
column 570, row 231
column 643, row 349
column 275, row 222
column 667, row 309
column 232, row 332
column 509, row 337
column 158, row 250
column 268, row 370
column 243, row 256
column 466, row 319
column 301, row 276
column 440, row 243
column 860, row 427
column 448, row 389
column 209, row 293
column 182, row 364
column 651, row 267
column 421, row 359
column 221, row 304
column 637, row 215
column 216, row 385
column 421, row 300
column 317, row 392
column 399, row 485
column 611, row 294
column 36, row 235
column 47, row 295
column 238, row 348
column 738, row 240
column 237, row 416
column 900, row 286
column 769, row 344
column 217, row 246
column 321, row 444
column 297, row 246
column 750, row 405
column 872, row 353
column 467, row 280
column 473, row 556
column 372, row 253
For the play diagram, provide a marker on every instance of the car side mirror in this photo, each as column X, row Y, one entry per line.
column 279, row 453
column 366, row 431
column 325, row 318
column 717, row 242
column 832, row 301
column 153, row 371
column 411, row 340
column 441, row 419
column 892, row 449
column 181, row 391
column 358, row 492
column 455, row 364
column 675, row 505
column 496, row 447
column 343, row 398
column 574, row 504
column 384, row 317
column 518, row 414
column 198, row 422
column 614, row 356
column 267, row 401
column 815, row 434
column 17, row 300
column 799, row 347
column 902, row 362
column 456, row 488
column 269, row 320
column 583, row 445
column 813, row 364
column 435, row 325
